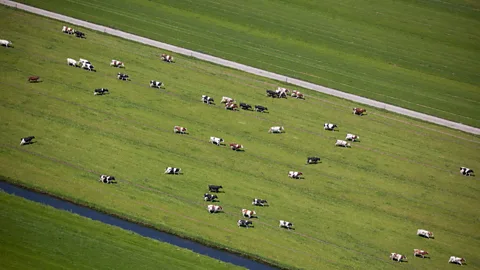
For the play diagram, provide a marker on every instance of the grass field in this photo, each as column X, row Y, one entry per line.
column 35, row 236
column 350, row 211
column 421, row 55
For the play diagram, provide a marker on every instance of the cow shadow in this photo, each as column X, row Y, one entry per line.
column 27, row 143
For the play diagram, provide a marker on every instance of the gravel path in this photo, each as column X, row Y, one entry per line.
column 252, row 70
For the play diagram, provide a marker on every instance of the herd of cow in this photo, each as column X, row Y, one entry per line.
column 231, row 105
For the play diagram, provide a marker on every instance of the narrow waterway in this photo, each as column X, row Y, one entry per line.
column 126, row 225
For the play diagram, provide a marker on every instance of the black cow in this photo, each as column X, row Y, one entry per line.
column 313, row 160
column 244, row 223
column 271, row 93
column 123, row 77
column 260, row 108
column 245, row 106
column 27, row 140
column 100, row 91
column 107, row 179
column 259, row 202
column 209, row 197
column 214, row 188
column 79, row 34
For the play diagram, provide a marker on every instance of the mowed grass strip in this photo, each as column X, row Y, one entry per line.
column 352, row 210
column 419, row 55
column 41, row 237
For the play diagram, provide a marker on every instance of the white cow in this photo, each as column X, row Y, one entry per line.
column 351, row 137
column 276, row 130
column 425, row 233
column 285, row 224
column 116, row 63
column 172, row 170
column 466, row 171
column 72, row 62
column 295, row 175
column 6, row 43
column 329, row 126
column 227, row 100
column 457, row 260
column 214, row 208
column 398, row 257
column 248, row 213
column 216, row 141
column 342, row 143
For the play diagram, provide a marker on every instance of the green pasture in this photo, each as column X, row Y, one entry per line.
column 421, row 55
column 350, row 211
column 35, row 236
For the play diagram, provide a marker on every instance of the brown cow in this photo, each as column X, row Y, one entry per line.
column 419, row 252
column 33, row 79
column 359, row 111
column 231, row 106
column 236, row 146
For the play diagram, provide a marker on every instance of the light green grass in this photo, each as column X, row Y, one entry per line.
column 421, row 55
column 351, row 210
column 35, row 236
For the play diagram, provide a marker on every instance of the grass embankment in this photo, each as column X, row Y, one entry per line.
column 351, row 210
column 421, row 55
column 35, row 236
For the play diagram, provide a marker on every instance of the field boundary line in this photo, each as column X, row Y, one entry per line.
column 245, row 68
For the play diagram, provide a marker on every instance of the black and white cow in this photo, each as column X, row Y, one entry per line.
column 156, row 84
column 244, row 223
column 466, row 171
column 313, row 160
column 285, row 224
column 209, row 197
column 260, row 108
column 88, row 66
column 123, row 77
column 208, row 100
column 27, row 140
column 172, row 170
column 329, row 126
column 245, row 106
column 216, row 141
column 259, row 202
column 100, row 91
column 107, row 179
column 214, row 188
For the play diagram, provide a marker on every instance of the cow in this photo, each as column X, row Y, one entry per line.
column 79, row 34
column 260, row 108
column 209, row 197
column 282, row 92
column 313, row 160
column 179, row 129
column 419, row 253
column 285, row 224
column 83, row 61
column 214, row 188
column 245, row 106
column 208, row 100
column 116, row 63
column 352, row 137
column 231, row 106
column 100, row 91
column 107, row 179
column 68, row 30
column 342, row 143
column 167, row 58
column 236, row 146
column 276, row 130
column 359, row 111
column 466, row 171
column 398, row 257
column 172, row 170
column 271, row 93
column 88, row 66
column 295, row 175
column 244, row 223
column 216, row 141
column 6, row 43
column 425, row 233
column 156, row 84
column 248, row 213
column 27, row 140
column 457, row 260
column 34, row 79
column 297, row 94
column 214, row 208
column 329, row 126
column 259, row 202
column 227, row 100
column 123, row 77
column 72, row 62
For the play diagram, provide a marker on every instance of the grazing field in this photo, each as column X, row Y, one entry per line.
column 41, row 237
column 421, row 55
column 351, row 210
